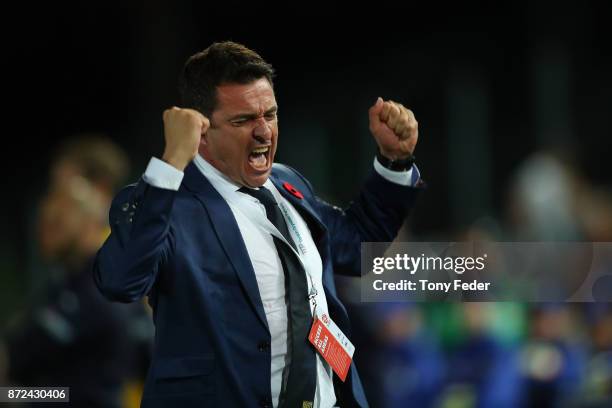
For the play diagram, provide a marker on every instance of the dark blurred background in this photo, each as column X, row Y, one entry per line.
column 513, row 102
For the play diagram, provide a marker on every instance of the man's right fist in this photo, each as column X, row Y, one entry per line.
column 183, row 129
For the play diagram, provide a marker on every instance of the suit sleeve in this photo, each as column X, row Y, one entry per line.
column 375, row 215
column 140, row 242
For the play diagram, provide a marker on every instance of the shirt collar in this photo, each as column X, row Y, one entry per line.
column 223, row 184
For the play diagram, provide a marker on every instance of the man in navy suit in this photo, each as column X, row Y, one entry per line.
column 236, row 254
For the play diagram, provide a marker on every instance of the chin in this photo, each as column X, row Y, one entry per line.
column 257, row 180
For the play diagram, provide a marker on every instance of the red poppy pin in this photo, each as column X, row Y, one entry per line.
column 289, row 187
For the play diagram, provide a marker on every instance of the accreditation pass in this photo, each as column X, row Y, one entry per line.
column 332, row 344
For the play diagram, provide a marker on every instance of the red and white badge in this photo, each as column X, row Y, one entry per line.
column 332, row 344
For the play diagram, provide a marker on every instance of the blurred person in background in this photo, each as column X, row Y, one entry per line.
column 554, row 357
column 482, row 361
column 408, row 361
column 597, row 387
column 71, row 336
column 551, row 200
column 542, row 199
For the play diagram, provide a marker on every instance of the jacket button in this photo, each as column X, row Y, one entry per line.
column 263, row 346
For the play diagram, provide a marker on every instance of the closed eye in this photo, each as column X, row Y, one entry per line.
column 240, row 120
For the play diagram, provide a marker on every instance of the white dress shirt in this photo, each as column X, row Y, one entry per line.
column 257, row 231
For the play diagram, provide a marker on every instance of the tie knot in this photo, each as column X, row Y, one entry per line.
column 262, row 194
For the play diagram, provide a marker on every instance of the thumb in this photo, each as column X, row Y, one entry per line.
column 375, row 110
column 205, row 124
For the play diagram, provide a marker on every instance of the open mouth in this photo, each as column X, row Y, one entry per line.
column 259, row 158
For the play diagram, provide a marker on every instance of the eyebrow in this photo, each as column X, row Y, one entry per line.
column 250, row 116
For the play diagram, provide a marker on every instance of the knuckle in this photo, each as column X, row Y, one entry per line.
column 188, row 115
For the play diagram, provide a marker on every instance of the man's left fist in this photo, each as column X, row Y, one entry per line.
column 395, row 129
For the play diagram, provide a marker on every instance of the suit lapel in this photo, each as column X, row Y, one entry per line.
column 228, row 233
column 317, row 228
column 320, row 236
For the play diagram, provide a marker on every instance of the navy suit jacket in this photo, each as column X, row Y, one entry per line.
column 184, row 250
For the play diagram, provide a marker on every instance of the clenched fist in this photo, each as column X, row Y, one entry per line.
column 183, row 129
column 395, row 129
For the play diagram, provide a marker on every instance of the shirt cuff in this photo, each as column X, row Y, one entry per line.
column 162, row 175
column 403, row 178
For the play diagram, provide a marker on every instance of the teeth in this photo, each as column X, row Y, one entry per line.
column 260, row 150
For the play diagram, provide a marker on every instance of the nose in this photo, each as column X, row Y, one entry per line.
column 262, row 132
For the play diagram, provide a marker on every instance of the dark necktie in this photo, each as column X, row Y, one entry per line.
column 301, row 383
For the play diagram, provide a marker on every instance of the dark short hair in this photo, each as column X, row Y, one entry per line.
column 221, row 63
